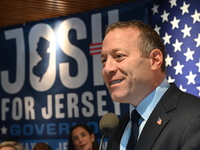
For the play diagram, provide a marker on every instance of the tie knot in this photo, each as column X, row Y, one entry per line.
column 135, row 116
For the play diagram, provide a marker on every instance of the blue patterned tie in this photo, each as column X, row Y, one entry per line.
column 135, row 116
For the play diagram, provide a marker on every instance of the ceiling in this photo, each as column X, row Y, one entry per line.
column 14, row 12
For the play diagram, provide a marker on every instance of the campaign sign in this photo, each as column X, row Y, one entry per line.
column 50, row 75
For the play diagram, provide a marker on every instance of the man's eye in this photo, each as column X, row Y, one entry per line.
column 119, row 55
column 103, row 60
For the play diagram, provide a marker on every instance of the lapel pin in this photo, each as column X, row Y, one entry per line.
column 159, row 121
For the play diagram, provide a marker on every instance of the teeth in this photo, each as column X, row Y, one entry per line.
column 116, row 81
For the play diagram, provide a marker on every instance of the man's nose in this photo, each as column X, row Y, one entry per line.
column 110, row 67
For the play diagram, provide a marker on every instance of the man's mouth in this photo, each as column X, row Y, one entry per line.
column 116, row 81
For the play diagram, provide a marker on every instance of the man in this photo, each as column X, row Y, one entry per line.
column 134, row 72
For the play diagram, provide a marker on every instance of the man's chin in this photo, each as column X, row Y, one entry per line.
column 119, row 99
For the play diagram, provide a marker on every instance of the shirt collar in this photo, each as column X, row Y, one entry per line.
column 147, row 105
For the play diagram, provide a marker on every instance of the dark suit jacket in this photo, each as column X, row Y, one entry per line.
column 180, row 127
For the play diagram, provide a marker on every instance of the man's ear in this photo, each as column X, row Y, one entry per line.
column 156, row 57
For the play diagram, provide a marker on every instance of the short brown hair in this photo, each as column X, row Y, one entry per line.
column 149, row 38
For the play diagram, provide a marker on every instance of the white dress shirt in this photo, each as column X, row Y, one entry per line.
column 145, row 109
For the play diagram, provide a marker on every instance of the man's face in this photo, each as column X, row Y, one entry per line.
column 125, row 73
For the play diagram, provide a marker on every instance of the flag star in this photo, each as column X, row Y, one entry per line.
column 191, row 78
column 189, row 54
column 170, row 80
column 166, row 38
column 173, row 3
column 198, row 40
column 186, row 31
column 175, row 23
column 4, row 130
column 198, row 65
column 198, row 88
column 196, row 16
column 182, row 89
column 155, row 8
column 177, row 45
column 157, row 29
column 184, row 8
column 178, row 68
column 168, row 60
column 164, row 16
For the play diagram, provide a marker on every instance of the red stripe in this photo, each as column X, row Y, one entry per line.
column 95, row 53
column 95, row 48
column 95, row 44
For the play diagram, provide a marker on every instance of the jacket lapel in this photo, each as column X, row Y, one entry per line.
column 154, row 126
column 152, row 129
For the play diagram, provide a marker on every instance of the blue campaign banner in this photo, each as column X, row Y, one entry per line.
column 50, row 75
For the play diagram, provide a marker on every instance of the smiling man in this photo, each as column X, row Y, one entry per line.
column 134, row 72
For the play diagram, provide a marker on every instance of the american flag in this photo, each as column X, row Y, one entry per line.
column 178, row 24
column 159, row 121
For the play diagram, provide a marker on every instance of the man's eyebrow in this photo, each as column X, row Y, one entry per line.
column 112, row 51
